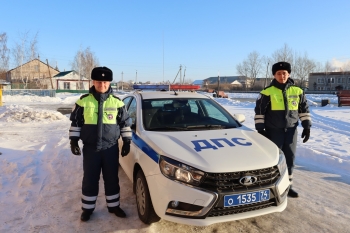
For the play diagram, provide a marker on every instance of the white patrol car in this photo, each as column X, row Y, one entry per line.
column 192, row 162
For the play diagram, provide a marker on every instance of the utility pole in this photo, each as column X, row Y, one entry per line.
column 267, row 68
column 79, row 54
column 180, row 74
column 122, row 81
column 163, row 57
column 218, row 82
column 136, row 78
column 22, row 51
column 184, row 75
column 39, row 65
column 48, row 67
column 0, row 94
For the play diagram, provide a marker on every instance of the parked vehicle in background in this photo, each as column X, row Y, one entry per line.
column 217, row 94
column 193, row 162
column 220, row 94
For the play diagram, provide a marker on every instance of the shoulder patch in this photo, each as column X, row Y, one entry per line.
column 83, row 96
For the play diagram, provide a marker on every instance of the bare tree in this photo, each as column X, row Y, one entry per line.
column 283, row 54
column 19, row 54
column 84, row 62
column 318, row 67
column 25, row 50
column 33, row 48
column 302, row 67
column 251, row 67
column 327, row 69
column 4, row 55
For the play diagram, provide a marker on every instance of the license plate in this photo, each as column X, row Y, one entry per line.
column 246, row 198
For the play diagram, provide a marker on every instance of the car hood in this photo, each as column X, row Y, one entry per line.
column 226, row 150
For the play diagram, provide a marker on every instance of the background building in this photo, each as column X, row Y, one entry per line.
column 33, row 74
column 70, row 80
column 328, row 81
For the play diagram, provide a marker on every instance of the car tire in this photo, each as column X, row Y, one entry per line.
column 145, row 208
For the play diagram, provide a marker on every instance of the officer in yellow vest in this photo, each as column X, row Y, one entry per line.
column 277, row 111
column 98, row 119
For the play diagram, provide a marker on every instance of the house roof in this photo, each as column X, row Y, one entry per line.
column 197, row 82
column 35, row 59
column 224, row 79
column 63, row 76
column 236, row 83
column 329, row 73
column 64, row 73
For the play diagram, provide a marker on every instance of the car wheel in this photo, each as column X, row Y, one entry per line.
column 143, row 199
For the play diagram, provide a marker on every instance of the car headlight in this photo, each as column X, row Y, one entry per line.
column 282, row 165
column 175, row 170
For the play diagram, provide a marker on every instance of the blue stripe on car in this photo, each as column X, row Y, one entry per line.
column 145, row 147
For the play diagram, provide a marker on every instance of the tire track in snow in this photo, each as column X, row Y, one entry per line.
column 326, row 123
column 326, row 147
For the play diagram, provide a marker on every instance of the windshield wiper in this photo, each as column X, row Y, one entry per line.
column 206, row 126
column 191, row 127
column 168, row 128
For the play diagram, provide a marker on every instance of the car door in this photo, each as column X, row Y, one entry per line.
column 127, row 162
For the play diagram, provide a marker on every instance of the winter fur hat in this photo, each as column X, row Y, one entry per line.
column 102, row 74
column 282, row 65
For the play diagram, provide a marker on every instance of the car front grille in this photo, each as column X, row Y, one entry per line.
column 222, row 211
column 230, row 181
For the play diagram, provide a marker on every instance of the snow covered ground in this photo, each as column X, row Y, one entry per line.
column 40, row 180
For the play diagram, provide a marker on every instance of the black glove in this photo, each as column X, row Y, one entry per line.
column 306, row 135
column 126, row 148
column 74, row 147
column 262, row 132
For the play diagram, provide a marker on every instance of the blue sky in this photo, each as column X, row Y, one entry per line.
column 155, row 37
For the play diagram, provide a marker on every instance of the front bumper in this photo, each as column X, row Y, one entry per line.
column 201, row 207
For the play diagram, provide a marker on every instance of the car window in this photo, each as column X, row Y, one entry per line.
column 132, row 110
column 193, row 105
column 214, row 112
column 185, row 114
column 127, row 100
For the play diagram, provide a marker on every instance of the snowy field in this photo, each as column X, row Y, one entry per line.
column 40, row 180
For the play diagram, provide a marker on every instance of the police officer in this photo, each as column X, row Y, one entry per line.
column 98, row 119
column 277, row 110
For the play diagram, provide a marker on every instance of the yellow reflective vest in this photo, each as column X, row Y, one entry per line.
column 99, row 120
column 280, row 101
column 110, row 109
column 281, row 106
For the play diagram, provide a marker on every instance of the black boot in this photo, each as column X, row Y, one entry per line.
column 292, row 193
column 117, row 211
column 85, row 216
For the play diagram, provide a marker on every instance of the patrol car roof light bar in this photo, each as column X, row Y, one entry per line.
column 168, row 87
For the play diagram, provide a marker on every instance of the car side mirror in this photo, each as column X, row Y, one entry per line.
column 239, row 117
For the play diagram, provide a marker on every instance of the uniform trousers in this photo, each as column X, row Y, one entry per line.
column 94, row 162
column 286, row 140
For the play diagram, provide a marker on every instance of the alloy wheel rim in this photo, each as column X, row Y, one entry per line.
column 140, row 195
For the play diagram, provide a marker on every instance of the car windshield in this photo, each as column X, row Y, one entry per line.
column 185, row 114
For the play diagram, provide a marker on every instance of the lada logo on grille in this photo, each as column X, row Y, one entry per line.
column 248, row 180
